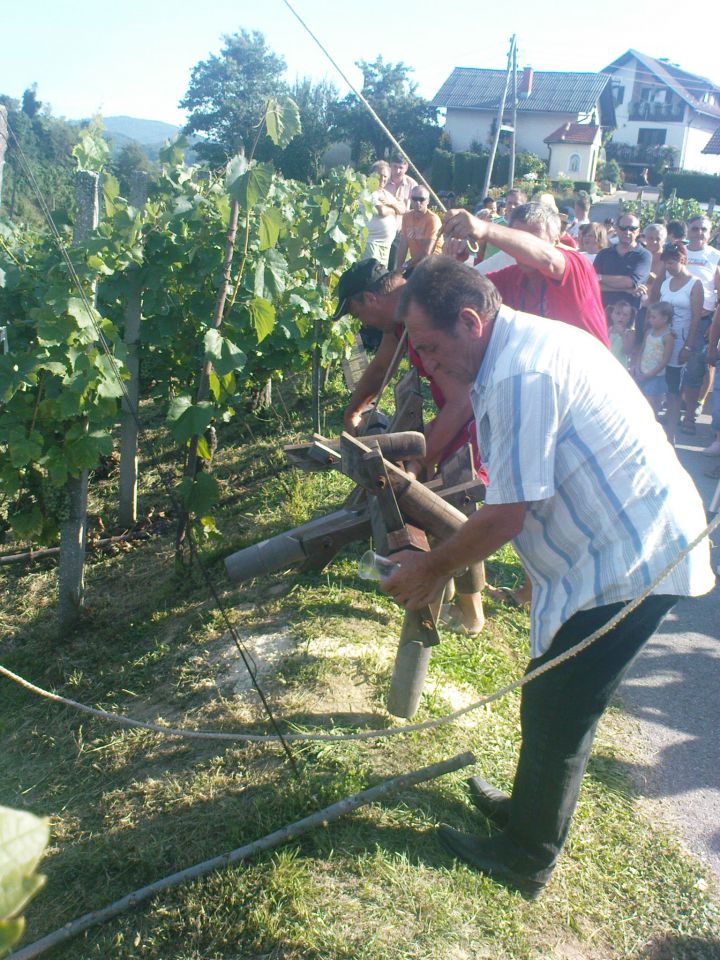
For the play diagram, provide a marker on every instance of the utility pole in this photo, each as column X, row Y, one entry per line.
column 513, row 147
column 499, row 125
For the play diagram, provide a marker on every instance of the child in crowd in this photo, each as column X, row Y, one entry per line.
column 620, row 317
column 592, row 238
column 656, row 351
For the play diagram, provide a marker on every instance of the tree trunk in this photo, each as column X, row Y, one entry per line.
column 71, row 582
column 129, row 405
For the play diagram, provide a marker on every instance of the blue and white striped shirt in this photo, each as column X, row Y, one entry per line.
column 563, row 427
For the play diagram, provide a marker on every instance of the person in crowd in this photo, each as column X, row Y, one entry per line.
column 381, row 227
column 420, row 232
column 371, row 293
column 623, row 268
column 704, row 263
column 676, row 231
column 621, row 317
column 684, row 293
column 546, row 280
column 513, row 198
column 655, row 354
column 583, row 202
column 400, row 185
column 592, row 238
column 713, row 450
column 655, row 237
column 568, row 222
column 609, row 225
column 564, row 435
column 489, row 204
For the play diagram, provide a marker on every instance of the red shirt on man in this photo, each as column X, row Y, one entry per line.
column 574, row 299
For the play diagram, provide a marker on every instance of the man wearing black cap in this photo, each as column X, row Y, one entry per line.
column 368, row 291
column 371, row 293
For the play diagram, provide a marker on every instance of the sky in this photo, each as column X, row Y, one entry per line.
column 135, row 58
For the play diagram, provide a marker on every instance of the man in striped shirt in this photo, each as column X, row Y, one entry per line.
column 586, row 486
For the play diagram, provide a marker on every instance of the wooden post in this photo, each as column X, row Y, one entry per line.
column 71, row 583
column 3, row 142
column 129, row 404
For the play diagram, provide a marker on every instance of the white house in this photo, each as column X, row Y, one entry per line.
column 658, row 104
column 548, row 100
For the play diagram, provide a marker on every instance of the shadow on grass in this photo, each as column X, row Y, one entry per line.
column 678, row 947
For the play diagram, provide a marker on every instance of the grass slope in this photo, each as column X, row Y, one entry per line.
column 129, row 807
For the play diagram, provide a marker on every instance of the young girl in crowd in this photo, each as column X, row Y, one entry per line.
column 685, row 294
column 620, row 317
column 656, row 351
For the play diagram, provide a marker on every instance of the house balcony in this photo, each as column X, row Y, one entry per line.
column 656, row 112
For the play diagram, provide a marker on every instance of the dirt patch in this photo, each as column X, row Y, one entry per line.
column 266, row 649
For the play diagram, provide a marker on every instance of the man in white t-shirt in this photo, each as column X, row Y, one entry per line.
column 584, row 483
column 704, row 263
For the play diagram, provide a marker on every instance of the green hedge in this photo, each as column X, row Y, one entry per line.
column 587, row 185
column 697, row 186
column 465, row 172
column 441, row 170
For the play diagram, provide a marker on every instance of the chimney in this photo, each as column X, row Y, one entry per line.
column 525, row 85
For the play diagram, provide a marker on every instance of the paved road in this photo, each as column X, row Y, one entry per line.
column 673, row 691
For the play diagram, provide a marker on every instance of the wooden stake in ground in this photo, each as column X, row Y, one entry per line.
column 320, row 819
column 71, row 582
column 129, row 404
column 204, row 382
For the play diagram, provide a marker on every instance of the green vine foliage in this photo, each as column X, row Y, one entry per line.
column 23, row 839
column 59, row 396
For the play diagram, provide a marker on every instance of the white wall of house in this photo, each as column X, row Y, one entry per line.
column 565, row 156
column 464, row 126
column 687, row 136
column 698, row 135
column 629, row 132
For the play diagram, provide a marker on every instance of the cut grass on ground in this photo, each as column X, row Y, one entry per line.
column 129, row 806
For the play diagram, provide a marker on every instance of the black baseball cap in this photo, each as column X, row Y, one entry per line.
column 359, row 278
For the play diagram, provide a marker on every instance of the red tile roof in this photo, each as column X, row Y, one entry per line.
column 573, row 133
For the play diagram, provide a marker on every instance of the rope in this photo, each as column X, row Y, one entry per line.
column 390, row 731
column 360, row 97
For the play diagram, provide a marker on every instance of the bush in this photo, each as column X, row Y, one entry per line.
column 648, row 212
column 611, row 171
column 698, row 186
column 587, row 185
column 526, row 162
column 441, row 170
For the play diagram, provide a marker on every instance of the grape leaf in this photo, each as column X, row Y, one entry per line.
column 262, row 314
column 282, row 120
column 253, row 186
column 271, row 221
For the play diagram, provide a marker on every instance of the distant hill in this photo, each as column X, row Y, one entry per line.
column 150, row 134
column 145, row 132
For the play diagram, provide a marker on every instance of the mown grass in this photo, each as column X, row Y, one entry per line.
column 129, row 806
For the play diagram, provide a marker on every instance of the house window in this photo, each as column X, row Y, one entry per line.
column 618, row 93
column 574, row 164
column 651, row 138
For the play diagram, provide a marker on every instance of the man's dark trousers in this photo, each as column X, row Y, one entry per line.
column 559, row 714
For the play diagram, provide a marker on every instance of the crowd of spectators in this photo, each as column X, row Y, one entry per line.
column 640, row 278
